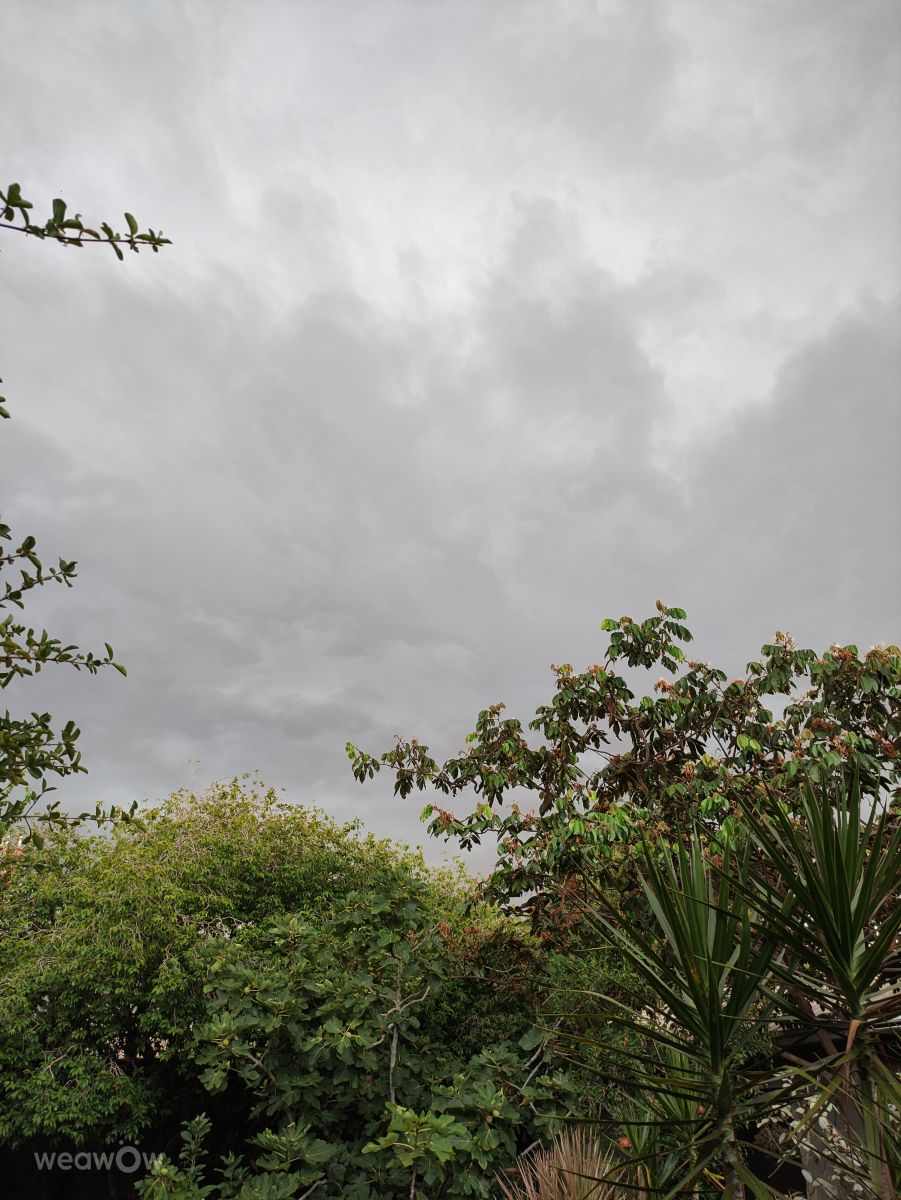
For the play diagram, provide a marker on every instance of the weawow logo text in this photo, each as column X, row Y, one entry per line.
column 127, row 1159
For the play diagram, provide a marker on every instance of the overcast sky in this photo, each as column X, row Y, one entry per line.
column 483, row 321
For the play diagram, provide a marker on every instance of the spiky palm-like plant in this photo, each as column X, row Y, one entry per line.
column 576, row 1166
column 793, row 933
column 833, row 983
column 704, row 976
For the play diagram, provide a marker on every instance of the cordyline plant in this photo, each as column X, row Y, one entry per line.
column 702, row 967
column 616, row 772
column 793, row 938
column 31, row 748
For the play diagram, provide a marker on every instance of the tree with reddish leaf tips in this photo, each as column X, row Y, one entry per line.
column 615, row 772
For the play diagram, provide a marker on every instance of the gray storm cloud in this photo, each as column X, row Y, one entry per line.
column 480, row 324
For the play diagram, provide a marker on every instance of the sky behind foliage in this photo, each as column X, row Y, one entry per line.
column 482, row 322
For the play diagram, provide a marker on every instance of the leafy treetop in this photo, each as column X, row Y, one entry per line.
column 617, row 772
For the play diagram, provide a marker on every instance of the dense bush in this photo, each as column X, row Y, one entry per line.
column 101, row 970
column 315, row 990
column 354, row 1034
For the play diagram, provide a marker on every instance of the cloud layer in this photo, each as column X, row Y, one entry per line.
column 481, row 323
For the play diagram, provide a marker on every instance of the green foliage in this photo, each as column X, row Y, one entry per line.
column 68, row 230
column 730, row 904
column 422, row 1143
column 702, row 977
column 332, row 1006
column 617, row 772
column 102, row 950
column 710, row 956
column 183, row 1180
column 792, row 938
column 329, row 1022
column 30, row 747
column 827, row 890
